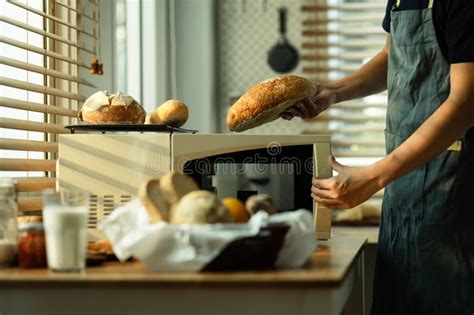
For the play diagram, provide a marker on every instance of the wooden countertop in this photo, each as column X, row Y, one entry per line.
column 328, row 266
column 370, row 232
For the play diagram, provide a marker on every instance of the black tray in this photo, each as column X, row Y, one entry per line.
column 103, row 128
column 251, row 253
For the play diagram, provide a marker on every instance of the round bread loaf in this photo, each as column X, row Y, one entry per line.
column 105, row 108
column 256, row 203
column 171, row 113
column 200, row 207
column 265, row 101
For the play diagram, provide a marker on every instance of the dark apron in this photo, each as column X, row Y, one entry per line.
column 425, row 256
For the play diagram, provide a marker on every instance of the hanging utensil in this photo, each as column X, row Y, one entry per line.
column 283, row 57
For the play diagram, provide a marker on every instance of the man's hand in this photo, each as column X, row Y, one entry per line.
column 311, row 106
column 352, row 186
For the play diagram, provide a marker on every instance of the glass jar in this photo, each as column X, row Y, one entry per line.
column 32, row 245
column 8, row 224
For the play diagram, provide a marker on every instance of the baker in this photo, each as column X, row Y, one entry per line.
column 425, row 257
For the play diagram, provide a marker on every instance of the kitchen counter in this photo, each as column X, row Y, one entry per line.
column 370, row 232
column 323, row 285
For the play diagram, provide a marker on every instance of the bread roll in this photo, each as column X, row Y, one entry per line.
column 171, row 113
column 256, row 203
column 265, row 101
column 105, row 108
column 175, row 185
column 154, row 201
column 200, row 207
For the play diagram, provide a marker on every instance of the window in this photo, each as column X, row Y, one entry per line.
column 44, row 46
column 339, row 37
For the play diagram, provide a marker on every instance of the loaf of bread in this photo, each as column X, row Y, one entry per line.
column 175, row 185
column 105, row 108
column 200, row 207
column 263, row 202
column 160, row 195
column 265, row 101
column 154, row 200
column 171, row 113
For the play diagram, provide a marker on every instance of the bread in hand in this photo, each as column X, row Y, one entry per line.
column 265, row 101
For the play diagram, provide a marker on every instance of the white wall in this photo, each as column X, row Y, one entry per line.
column 196, row 61
column 178, row 57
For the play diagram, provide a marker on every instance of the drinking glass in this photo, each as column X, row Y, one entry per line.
column 65, row 223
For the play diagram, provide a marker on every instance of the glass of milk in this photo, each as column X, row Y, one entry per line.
column 65, row 223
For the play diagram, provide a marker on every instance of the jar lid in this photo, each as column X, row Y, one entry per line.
column 31, row 226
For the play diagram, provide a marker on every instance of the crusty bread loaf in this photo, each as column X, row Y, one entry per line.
column 175, row 185
column 265, row 101
column 154, row 201
column 171, row 113
column 200, row 207
column 105, row 108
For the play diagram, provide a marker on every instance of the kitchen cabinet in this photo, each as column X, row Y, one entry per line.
column 322, row 286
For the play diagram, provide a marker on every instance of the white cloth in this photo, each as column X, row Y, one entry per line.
column 168, row 247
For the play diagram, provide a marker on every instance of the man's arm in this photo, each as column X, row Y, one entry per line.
column 369, row 79
column 446, row 125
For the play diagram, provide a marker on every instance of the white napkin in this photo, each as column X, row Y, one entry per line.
column 168, row 247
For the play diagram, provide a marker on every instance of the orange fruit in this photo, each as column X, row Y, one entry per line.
column 237, row 209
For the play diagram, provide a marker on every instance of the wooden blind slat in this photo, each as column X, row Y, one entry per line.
column 325, row 69
column 31, row 125
column 80, row 13
column 41, row 51
column 344, row 19
column 341, row 143
column 37, row 107
column 27, row 165
column 358, row 105
column 28, row 145
column 40, row 89
column 348, row 118
column 35, row 184
column 342, row 130
column 44, row 33
column 359, row 55
column 42, row 70
column 345, row 7
column 345, row 32
column 352, row 43
column 28, row 204
column 51, row 17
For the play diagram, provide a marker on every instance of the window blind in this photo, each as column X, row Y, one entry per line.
column 45, row 50
column 339, row 36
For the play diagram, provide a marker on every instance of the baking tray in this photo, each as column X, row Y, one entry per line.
column 104, row 128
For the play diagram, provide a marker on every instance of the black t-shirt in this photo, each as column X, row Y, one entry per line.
column 454, row 24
